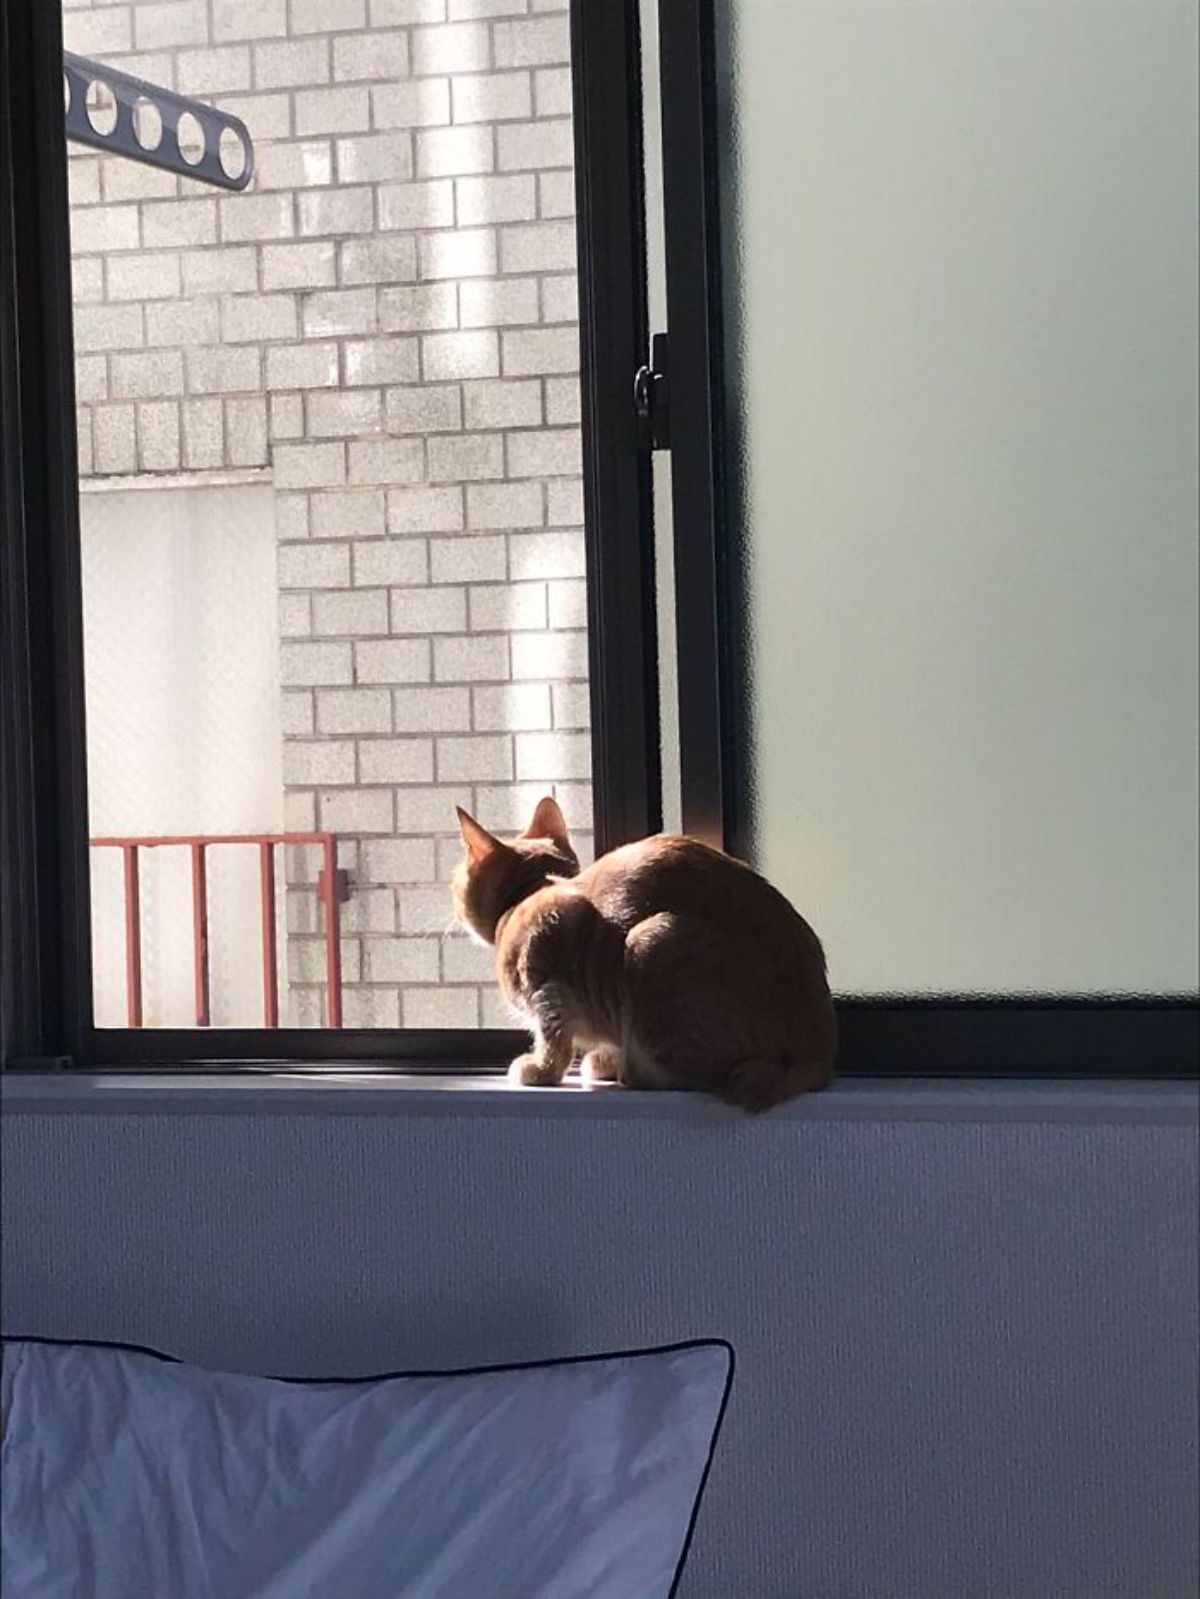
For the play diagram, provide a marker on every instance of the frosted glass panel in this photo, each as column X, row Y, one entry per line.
column 968, row 320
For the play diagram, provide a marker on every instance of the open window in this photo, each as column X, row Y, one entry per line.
column 353, row 522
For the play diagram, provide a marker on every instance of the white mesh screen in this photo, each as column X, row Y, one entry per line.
column 182, row 662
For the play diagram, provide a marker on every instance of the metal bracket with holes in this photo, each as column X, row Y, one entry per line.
column 112, row 110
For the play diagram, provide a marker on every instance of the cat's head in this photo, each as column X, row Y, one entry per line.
column 494, row 876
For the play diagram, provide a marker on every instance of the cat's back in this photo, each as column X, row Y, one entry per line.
column 682, row 876
column 642, row 874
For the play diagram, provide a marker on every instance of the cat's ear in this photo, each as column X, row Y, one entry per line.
column 548, row 823
column 481, row 846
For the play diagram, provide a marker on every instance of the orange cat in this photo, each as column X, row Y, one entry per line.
column 667, row 963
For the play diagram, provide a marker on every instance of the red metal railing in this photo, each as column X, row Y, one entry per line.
column 329, row 886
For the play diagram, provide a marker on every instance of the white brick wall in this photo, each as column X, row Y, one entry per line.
column 387, row 322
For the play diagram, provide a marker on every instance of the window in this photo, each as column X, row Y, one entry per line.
column 332, row 504
column 359, row 598
column 333, row 550
column 962, row 328
column 976, row 671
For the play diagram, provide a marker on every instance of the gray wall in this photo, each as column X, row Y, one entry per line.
column 965, row 1320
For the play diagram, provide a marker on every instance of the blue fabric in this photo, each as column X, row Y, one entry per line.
column 126, row 1476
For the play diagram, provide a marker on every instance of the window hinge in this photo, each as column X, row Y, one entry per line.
column 652, row 397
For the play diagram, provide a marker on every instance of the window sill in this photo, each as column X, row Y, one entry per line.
column 341, row 1091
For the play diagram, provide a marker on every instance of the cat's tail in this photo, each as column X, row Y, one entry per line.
column 761, row 1082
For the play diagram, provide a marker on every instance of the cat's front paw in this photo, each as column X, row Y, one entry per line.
column 533, row 1072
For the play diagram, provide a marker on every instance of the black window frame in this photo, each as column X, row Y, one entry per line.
column 45, row 958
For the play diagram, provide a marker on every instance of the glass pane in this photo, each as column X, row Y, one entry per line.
column 968, row 322
column 331, row 503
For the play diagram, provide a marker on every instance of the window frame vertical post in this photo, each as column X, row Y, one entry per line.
column 692, row 242
column 46, row 920
column 618, row 497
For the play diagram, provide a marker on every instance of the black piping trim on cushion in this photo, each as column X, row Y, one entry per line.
column 703, row 1343
column 470, row 1371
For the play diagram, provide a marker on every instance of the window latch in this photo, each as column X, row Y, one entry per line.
column 652, row 397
